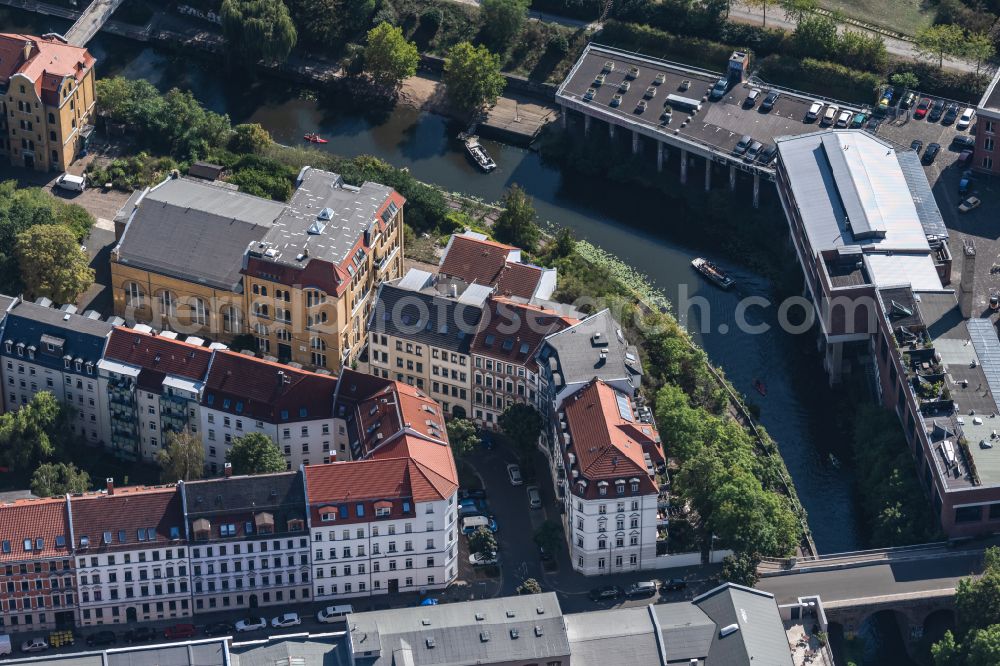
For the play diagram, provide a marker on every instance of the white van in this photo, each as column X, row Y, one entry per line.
column 5, row 647
column 335, row 613
column 965, row 119
column 71, row 183
column 830, row 115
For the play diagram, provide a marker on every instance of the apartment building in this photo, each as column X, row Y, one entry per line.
column 37, row 581
column 387, row 520
column 56, row 350
column 986, row 155
column 131, row 555
column 310, row 281
column 504, row 354
column 153, row 385
column 249, row 541
column 423, row 338
column 474, row 259
column 47, row 100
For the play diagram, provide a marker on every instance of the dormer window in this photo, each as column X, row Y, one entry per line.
column 296, row 525
column 78, row 365
column 8, row 345
column 90, row 368
column 20, row 349
column 602, row 488
column 328, row 514
column 620, row 487
column 28, row 545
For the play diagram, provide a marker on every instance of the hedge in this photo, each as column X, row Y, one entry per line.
column 820, row 78
column 651, row 41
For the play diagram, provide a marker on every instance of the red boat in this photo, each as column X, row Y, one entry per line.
column 761, row 388
column 314, row 138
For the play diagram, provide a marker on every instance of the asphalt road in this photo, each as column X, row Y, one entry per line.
column 934, row 573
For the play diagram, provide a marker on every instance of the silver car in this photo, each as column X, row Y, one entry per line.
column 534, row 497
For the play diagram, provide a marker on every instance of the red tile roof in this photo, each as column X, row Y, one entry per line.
column 33, row 519
column 608, row 446
column 267, row 391
column 158, row 355
column 128, row 510
column 518, row 280
column 50, row 60
column 520, row 327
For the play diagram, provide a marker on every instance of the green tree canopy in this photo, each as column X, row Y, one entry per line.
column 258, row 30
column 976, row 641
column 565, row 243
column 529, row 586
column 798, row 9
column 255, row 453
column 52, row 263
column 249, row 138
column 463, row 436
column 503, row 20
column 938, row 41
column 516, row 224
column 741, row 568
column 906, row 80
column 522, row 424
column 54, row 479
column 389, row 58
column 183, row 457
column 32, row 434
column 979, row 46
column 482, row 541
column 815, row 36
column 681, row 426
column 472, row 77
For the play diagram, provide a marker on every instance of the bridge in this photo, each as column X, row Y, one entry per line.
column 90, row 21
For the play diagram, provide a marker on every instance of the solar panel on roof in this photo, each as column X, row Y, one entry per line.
column 984, row 339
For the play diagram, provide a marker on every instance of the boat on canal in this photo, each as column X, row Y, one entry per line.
column 312, row 137
column 713, row 272
column 477, row 153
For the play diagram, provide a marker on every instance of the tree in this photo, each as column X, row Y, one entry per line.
column 258, row 29
column 681, row 425
column 815, row 36
column 255, row 453
column 979, row 47
column 52, row 263
column 861, row 50
column 984, row 647
column 32, row 434
column 947, row 652
column 938, row 41
column 463, row 436
column 797, row 9
column 249, row 138
column 54, row 479
column 565, row 243
column 516, row 224
column 482, row 541
column 183, row 457
column 977, row 602
column 503, row 20
column 907, row 80
column 389, row 58
column 763, row 5
column 750, row 519
column 549, row 537
column 472, row 77
column 523, row 424
column 741, row 568
column 529, row 586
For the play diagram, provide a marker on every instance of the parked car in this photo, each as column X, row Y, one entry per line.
column 673, row 584
column 471, row 493
column 34, row 645
column 605, row 592
column 922, row 107
column 970, row 204
column 217, row 629
column 101, row 638
column 932, row 152
column 908, row 100
column 950, row 114
column 616, row 100
column 770, row 100
column 472, row 507
column 514, row 474
column 250, row 624
column 768, row 154
column 964, row 141
column 830, row 115
column 743, row 144
column 813, row 113
column 844, row 118
column 886, row 100
column 5, row 645
column 71, row 183
column 286, row 620
column 589, row 95
column 139, row 634
column 753, row 151
column 534, row 497
column 719, row 89
column 751, row 99
column 916, row 145
column 427, row 601
column 858, row 120
column 473, row 523
column 964, row 159
column 332, row 614
column 482, row 559
column 966, row 182
column 646, row 588
column 685, row 84
column 965, row 119
column 544, row 555
column 179, row 631
column 937, row 108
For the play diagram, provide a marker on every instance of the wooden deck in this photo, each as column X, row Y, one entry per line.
column 516, row 120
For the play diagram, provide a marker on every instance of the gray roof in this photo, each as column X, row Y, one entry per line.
column 299, row 228
column 75, row 335
column 312, row 651
column 920, row 191
column 760, row 638
column 577, row 356
column 512, row 629
column 201, row 652
column 686, row 630
column 425, row 318
column 620, row 635
column 195, row 231
column 236, row 494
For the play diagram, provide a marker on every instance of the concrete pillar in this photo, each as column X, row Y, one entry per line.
column 684, row 166
column 635, row 142
column 563, row 108
column 834, row 361
column 586, row 125
column 659, row 156
column 756, row 189
column 611, row 130
column 732, row 177
column 708, row 174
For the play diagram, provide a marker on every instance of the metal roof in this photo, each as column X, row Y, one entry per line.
column 916, row 270
column 921, row 193
column 760, row 637
column 984, row 339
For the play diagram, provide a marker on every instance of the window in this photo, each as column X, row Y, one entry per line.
column 987, row 162
column 231, row 319
column 988, row 144
column 133, row 295
column 198, row 312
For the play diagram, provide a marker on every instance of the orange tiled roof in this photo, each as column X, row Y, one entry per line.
column 41, row 521
column 50, row 60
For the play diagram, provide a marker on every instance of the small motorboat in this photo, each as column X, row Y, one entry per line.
column 312, row 137
column 834, row 461
column 760, row 387
column 713, row 272
column 477, row 153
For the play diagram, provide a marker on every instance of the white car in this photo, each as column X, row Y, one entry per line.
column 844, row 118
column 286, row 620
column 334, row 613
column 514, row 474
column 481, row 559
column 814, row 110
column 251, row 624
column 34, row 645
column 965, row 119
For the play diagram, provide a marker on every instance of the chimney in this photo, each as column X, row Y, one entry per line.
column 111, row 485
column 227, row 469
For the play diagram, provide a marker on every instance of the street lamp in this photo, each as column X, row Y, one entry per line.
column 711, row 548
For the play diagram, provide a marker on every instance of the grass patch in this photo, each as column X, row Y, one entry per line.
column 905, row 16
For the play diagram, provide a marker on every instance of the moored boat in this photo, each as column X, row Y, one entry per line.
column 478, row 154
column 713, row 272
column 312, row 137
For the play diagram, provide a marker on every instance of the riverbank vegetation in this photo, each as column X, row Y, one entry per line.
column 976, row 640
